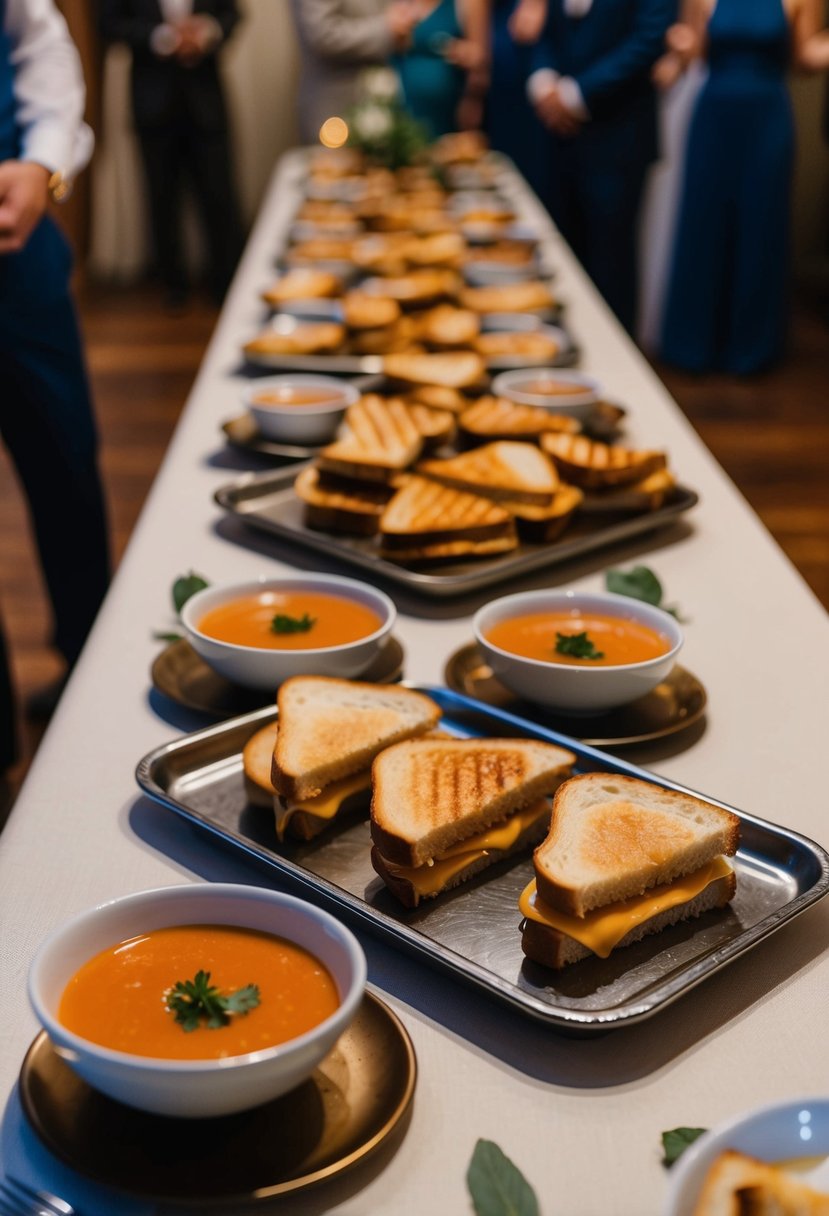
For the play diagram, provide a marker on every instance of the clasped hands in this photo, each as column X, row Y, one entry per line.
column 24, row 193
column 192, row 39
column 556, row 115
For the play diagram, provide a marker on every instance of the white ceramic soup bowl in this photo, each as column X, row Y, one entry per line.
column 259, row 667
column 196, row 1088
column 313, row 423
column 791, row 1130
column 571, row 688
column 577, row 403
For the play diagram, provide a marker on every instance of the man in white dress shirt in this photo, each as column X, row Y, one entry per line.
column 45, row 409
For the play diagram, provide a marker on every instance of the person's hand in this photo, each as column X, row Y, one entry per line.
column 527, row 21
column 199, row 34
column 667, row 71
column 683, row 41
column 24, row 193
column 464, row 53
column 555, row 115
column 470, row 114
column 401, row 18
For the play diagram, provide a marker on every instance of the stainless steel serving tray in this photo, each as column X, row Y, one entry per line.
column 266, row 502
column 473, row 931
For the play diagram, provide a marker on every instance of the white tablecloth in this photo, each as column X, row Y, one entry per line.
column 582, row 1118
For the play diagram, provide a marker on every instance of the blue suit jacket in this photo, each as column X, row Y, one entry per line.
column 609, row 53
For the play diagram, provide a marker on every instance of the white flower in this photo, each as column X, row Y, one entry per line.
column 380, row 84
column 372, row 122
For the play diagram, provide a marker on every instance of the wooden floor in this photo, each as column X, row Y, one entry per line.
column 770, row 433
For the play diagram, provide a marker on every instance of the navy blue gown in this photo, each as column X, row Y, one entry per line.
column 511, row 122
column 727, row 296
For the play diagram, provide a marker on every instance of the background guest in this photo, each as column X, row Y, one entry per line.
column 592, row 89
column 45, row 409
column 444, row 72
column 338, row 39
column 182, row 122
column 727, row 296
column 511, row 122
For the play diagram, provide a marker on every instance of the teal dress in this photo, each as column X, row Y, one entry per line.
column 727, row 295
column 432, row 88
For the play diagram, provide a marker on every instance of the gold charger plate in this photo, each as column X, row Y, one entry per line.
column 180, row 674
column 672, row 706
column 353, row 1102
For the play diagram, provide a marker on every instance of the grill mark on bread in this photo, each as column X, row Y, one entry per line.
column 590, row 463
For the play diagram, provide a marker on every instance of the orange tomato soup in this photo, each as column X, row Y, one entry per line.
column 552, row 388
column 296, row 395
column 247, row 621
column 620, row 640
column 119, row 998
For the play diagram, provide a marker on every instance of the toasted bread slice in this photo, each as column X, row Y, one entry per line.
column 389, row 340
column 526, row 345
column 353, row 509
column 649, row 494
column 303, row 283
column 257, row 755
column 426, row 520
column 436, row 426
column 331, row 728
column 445, row 326
column 428, row 796
column 319, row 249
column 529, row 296
column 412, row 884
column 592, row 465
column 517, row 472
column 459, row 147
column 361, row 311
column 497, row 418
column 438, row 249
column 438, row 397
column 553, row 948
column 738, row 1185
column 416, row 287
column 380, row 439
column 541, row 525
column 307, row 338
column 451, row 369
column 612, row 838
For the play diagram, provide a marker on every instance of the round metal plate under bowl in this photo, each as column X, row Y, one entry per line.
column 673, row 705
column 180, row 674
column 353, row 1102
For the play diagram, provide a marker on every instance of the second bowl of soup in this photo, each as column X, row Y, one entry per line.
column 575, row 651
column 260, row 632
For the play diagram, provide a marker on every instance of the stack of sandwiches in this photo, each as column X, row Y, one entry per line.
column 444, row 809
column 616, row 478
column 313, row 765
column 623, row 859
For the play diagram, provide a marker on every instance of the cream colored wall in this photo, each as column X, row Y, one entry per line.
column 259, row 67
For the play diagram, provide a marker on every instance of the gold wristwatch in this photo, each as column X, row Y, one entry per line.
column 60, row 187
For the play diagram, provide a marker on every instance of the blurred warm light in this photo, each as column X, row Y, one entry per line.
column 333, row 132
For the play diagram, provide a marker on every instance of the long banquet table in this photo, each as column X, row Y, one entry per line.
column 582, row 1118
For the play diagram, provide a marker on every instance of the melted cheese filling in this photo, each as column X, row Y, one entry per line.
column 432, row 877
column 603, row 928
column 324, row 805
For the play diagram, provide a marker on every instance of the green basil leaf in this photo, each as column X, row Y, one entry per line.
column 497, row 1187
column 640, row 583
column 675, row 1142
column 160, row 636
column 185, row 586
